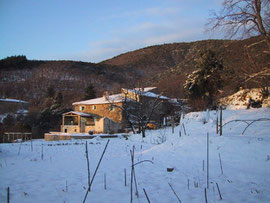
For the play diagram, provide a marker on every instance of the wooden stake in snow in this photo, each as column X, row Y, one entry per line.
column 125, row 175
column 135, row 180
column 132, row 171
column 31, row 144
column 217, row 124
column 220, row 163
column 207, row 175
column 205, row 195
column 174, row 192
column 96, row 170
column 188, row 184
column 146, row 196
column 184, row 128
column 105, row 186
column 220, row 197
column 20, row 148
column 88, row 168
column 8, row 195
column 203, row 165
column 220, row 125
column 42, row 152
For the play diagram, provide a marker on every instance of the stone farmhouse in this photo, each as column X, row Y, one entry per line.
column 115, row 113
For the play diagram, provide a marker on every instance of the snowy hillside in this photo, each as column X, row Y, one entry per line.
column 240, row 99
column 239, row 165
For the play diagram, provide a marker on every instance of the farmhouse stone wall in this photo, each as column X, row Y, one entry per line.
column 103, row 110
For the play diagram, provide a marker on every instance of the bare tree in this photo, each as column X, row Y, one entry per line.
column 246, row 18
column 243, row 18
column 140, row 109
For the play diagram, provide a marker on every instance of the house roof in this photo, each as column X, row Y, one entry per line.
column 116, row 98
column 146, row 89
column 147, row 93
column 82, row 114
column 13, row 100
column 101, row 100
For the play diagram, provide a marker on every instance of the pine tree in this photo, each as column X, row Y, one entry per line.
column 58, row 99
column 50, row 92
column 205, row 81
column 90, row 93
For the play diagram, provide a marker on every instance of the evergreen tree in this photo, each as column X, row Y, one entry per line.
column 50, row 92
column 205, row 81
column 90, row 93
column 58, row 99
column 57, row 102
column 9, row 121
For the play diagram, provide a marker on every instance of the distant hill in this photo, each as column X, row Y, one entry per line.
column 164, row 66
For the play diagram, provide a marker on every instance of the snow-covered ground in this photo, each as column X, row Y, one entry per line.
column 61, row 176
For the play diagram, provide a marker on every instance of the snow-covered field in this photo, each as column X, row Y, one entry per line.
column 61, row 176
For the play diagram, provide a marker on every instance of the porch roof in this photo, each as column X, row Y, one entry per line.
column 71, row 113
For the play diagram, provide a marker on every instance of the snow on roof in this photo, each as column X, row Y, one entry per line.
column 146, row 89
column 101, row 100
column 147, row 93
column 118, row 97
column 151, row 94
column 13, row 100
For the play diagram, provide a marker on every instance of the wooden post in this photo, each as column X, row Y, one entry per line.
column 105, row 186
column 203, row 165
column 220, row 197
column 207, row 175
column 146, row 195
column 205, row 195
column 125, row 172
column 31, row 144
column 217, row 125
column 8, row 195
column 88, row 167
column 63, row 120
column 220, row 163
column 79, row 123
column 184, row 128
column 220, row 130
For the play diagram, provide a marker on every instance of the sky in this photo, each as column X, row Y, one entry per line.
column 96, row 30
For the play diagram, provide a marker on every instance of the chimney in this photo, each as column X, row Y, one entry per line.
column 106, row 96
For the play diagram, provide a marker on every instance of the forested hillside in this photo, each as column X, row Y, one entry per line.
column 165, row 66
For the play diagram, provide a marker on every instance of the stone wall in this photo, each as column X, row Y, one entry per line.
column 70, row 128
column 103, row 110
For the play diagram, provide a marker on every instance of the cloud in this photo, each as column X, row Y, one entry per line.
column 154, row 25
column 105, row 49
column 158, row 11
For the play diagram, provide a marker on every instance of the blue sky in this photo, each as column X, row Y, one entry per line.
column 89, row 30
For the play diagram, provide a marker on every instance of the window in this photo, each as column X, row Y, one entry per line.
column 94, row 107
column 111, row 108
column 81, row 108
